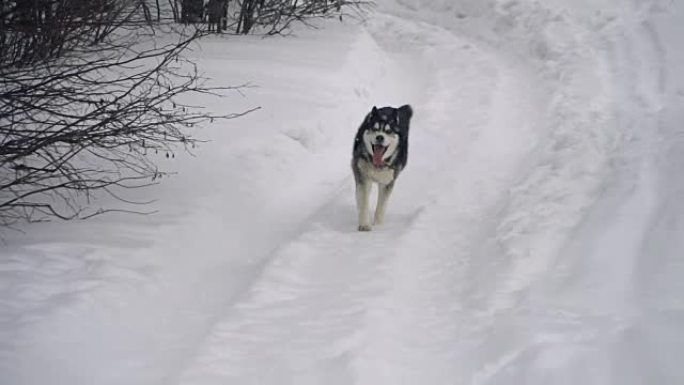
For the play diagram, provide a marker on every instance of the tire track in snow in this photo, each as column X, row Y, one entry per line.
column 539, row 333
column 293, row 326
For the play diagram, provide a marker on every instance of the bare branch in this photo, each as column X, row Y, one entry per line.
column 87, row 103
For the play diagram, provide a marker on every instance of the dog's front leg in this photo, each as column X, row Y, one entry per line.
column 384, row 192
column 362, row 192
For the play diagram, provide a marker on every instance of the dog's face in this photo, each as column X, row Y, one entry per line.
column 381, row 137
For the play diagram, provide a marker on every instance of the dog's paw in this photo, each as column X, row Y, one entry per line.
column 364, row 228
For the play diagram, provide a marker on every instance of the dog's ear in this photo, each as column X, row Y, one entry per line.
column 406, row 112
column 371, row 114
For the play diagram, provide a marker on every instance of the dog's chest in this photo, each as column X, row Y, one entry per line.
column 377, row 175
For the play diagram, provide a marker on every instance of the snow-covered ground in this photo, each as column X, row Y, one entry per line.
column 535, row 237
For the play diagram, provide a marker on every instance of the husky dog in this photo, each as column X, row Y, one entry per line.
column 380, row 153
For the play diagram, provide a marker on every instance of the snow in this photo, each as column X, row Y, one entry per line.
column 534, row 237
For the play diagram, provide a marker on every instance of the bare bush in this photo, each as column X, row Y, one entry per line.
column 276, row 16
column 264, row 16
column 86, row 100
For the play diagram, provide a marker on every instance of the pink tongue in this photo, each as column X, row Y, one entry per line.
column 378, row 152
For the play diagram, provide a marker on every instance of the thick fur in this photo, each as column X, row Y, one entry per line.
column 388, row 128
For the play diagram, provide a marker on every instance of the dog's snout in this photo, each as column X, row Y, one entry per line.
column 379, row 139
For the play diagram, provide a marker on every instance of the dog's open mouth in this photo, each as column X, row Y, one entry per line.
column 378, row 152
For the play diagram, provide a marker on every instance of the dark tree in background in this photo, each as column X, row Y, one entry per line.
column 276, row 16
column 193, row 11
column 217, row 15
column 270, row 16
column 87, row 101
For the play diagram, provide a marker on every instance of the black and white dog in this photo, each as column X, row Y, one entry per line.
column 380, row 153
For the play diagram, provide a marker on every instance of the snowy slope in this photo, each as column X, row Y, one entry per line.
column 533, row 239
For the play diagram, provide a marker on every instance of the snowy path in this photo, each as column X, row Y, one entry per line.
column 533, row 238
column 336, row 306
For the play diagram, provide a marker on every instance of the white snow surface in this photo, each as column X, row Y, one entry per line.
column 535, row 237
